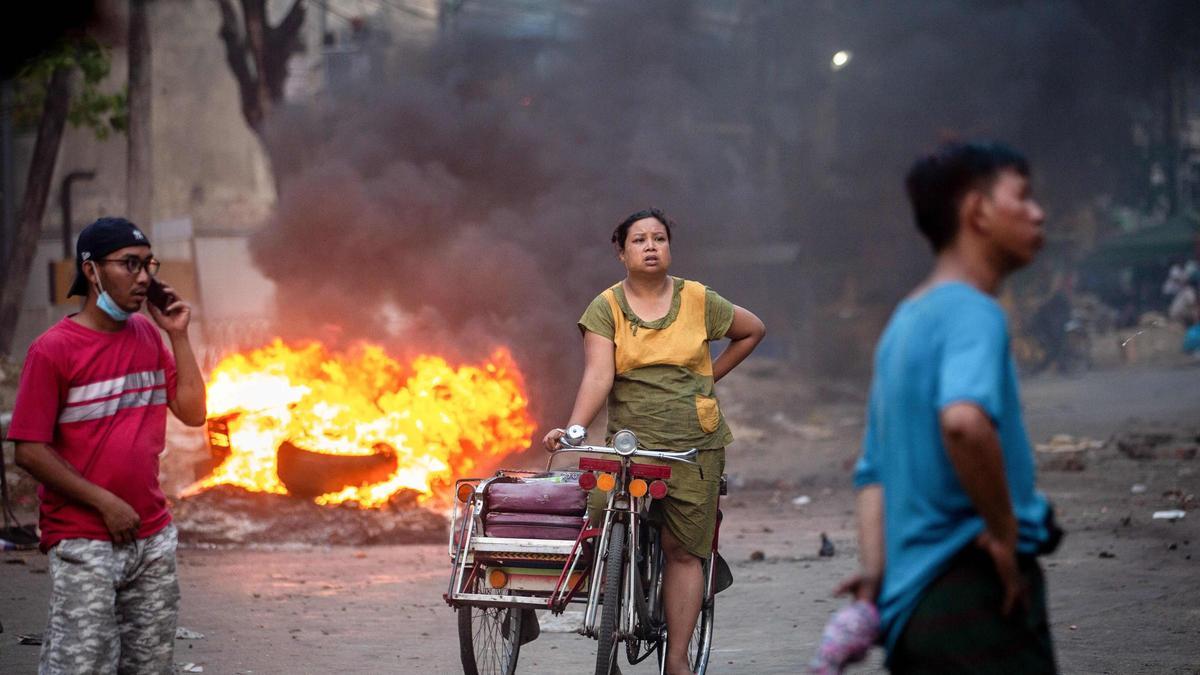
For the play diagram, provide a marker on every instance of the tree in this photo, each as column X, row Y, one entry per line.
column 44, row 93
column 258, row 52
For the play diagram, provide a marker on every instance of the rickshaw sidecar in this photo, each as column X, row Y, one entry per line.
column 519, row 539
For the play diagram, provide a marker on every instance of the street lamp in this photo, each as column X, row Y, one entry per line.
column 840, row 60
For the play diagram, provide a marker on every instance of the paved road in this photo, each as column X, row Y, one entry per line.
column 1134, row 609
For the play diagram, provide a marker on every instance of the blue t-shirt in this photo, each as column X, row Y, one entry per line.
column 949, row 345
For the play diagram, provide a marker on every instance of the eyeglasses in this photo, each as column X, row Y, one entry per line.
column 134, row 264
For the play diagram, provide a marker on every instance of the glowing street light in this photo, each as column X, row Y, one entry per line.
column 840, row 60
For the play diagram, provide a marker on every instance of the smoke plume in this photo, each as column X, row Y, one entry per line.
column 460, row 198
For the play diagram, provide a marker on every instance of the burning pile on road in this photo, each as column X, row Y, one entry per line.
column 357, row 430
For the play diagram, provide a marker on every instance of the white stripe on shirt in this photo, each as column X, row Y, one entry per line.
column 117, row 385
column 109, row 407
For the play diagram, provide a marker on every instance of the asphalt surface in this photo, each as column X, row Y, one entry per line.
column 1124, row 596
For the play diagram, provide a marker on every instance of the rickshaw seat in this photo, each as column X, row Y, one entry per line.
column 536, row 497
column 531, row 525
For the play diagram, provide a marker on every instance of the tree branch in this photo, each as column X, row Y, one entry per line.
column 235, row 55
column 254, row 14
column 282, row 41
column 258, row 53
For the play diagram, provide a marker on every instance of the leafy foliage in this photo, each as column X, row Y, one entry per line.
column 103, row 113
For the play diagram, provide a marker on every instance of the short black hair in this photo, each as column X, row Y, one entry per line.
column 622, row 229
column 937, row 183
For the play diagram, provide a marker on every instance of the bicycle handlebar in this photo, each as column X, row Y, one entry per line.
column 684, row 456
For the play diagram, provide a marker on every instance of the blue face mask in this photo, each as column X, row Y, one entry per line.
column 106, row 304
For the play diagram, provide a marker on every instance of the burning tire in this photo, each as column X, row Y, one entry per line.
column 311, row 474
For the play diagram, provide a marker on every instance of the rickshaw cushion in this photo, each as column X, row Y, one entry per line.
column 532, row 525
column 541, row 497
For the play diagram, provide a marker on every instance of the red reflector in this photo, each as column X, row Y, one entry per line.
column 587, row 480
column 593, row 464
column 649, row 471
column 658, row 489
column 465, row 492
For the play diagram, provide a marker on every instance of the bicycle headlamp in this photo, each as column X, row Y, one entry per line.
column 625, row 442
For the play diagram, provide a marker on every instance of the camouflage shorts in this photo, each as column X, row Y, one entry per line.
column 112, row 608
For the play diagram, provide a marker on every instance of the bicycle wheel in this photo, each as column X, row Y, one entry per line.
column 649, row 629
column 606, row 650
column 489, row 638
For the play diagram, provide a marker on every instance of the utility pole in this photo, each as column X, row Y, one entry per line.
column 139, row 162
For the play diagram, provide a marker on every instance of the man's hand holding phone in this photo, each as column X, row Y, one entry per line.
column 168, row 311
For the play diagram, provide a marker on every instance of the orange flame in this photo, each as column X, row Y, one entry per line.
column 442, row 421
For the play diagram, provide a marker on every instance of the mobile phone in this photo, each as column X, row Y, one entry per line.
column 158, row 296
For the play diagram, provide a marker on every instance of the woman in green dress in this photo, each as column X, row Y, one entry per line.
column 646, row 355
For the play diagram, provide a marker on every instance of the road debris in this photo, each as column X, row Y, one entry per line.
column 807, row 432
column 827, row 550
column 1180, row 499
column 802, row 500
column 1171, row 515
column 230, row 515
column 182, row 633
column 1065, row 452
column 1067, row 443
column 1159, row 444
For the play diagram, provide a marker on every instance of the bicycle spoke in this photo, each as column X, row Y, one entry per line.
column 494, row 638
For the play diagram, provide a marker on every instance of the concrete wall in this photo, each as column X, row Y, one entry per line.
column 207, row 166
column 207, row 162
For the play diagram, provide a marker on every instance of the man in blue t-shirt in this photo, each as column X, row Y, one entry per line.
column 949, row 518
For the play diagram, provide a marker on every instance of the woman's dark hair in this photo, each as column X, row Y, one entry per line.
column 937, row 183
column 622, row 231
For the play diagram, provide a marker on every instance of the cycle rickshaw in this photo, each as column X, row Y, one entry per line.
column 522, row 541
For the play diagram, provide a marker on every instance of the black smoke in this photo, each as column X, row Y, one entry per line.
column 477, row 196
column 461, row 197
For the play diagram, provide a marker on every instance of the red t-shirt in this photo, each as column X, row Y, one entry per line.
column 100, row 401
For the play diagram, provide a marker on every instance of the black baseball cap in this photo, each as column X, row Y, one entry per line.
column 98, row 240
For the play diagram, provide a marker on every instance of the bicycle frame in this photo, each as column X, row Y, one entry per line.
column 630, row 509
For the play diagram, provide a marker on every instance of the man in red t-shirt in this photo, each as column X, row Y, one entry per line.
column 89, row 424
